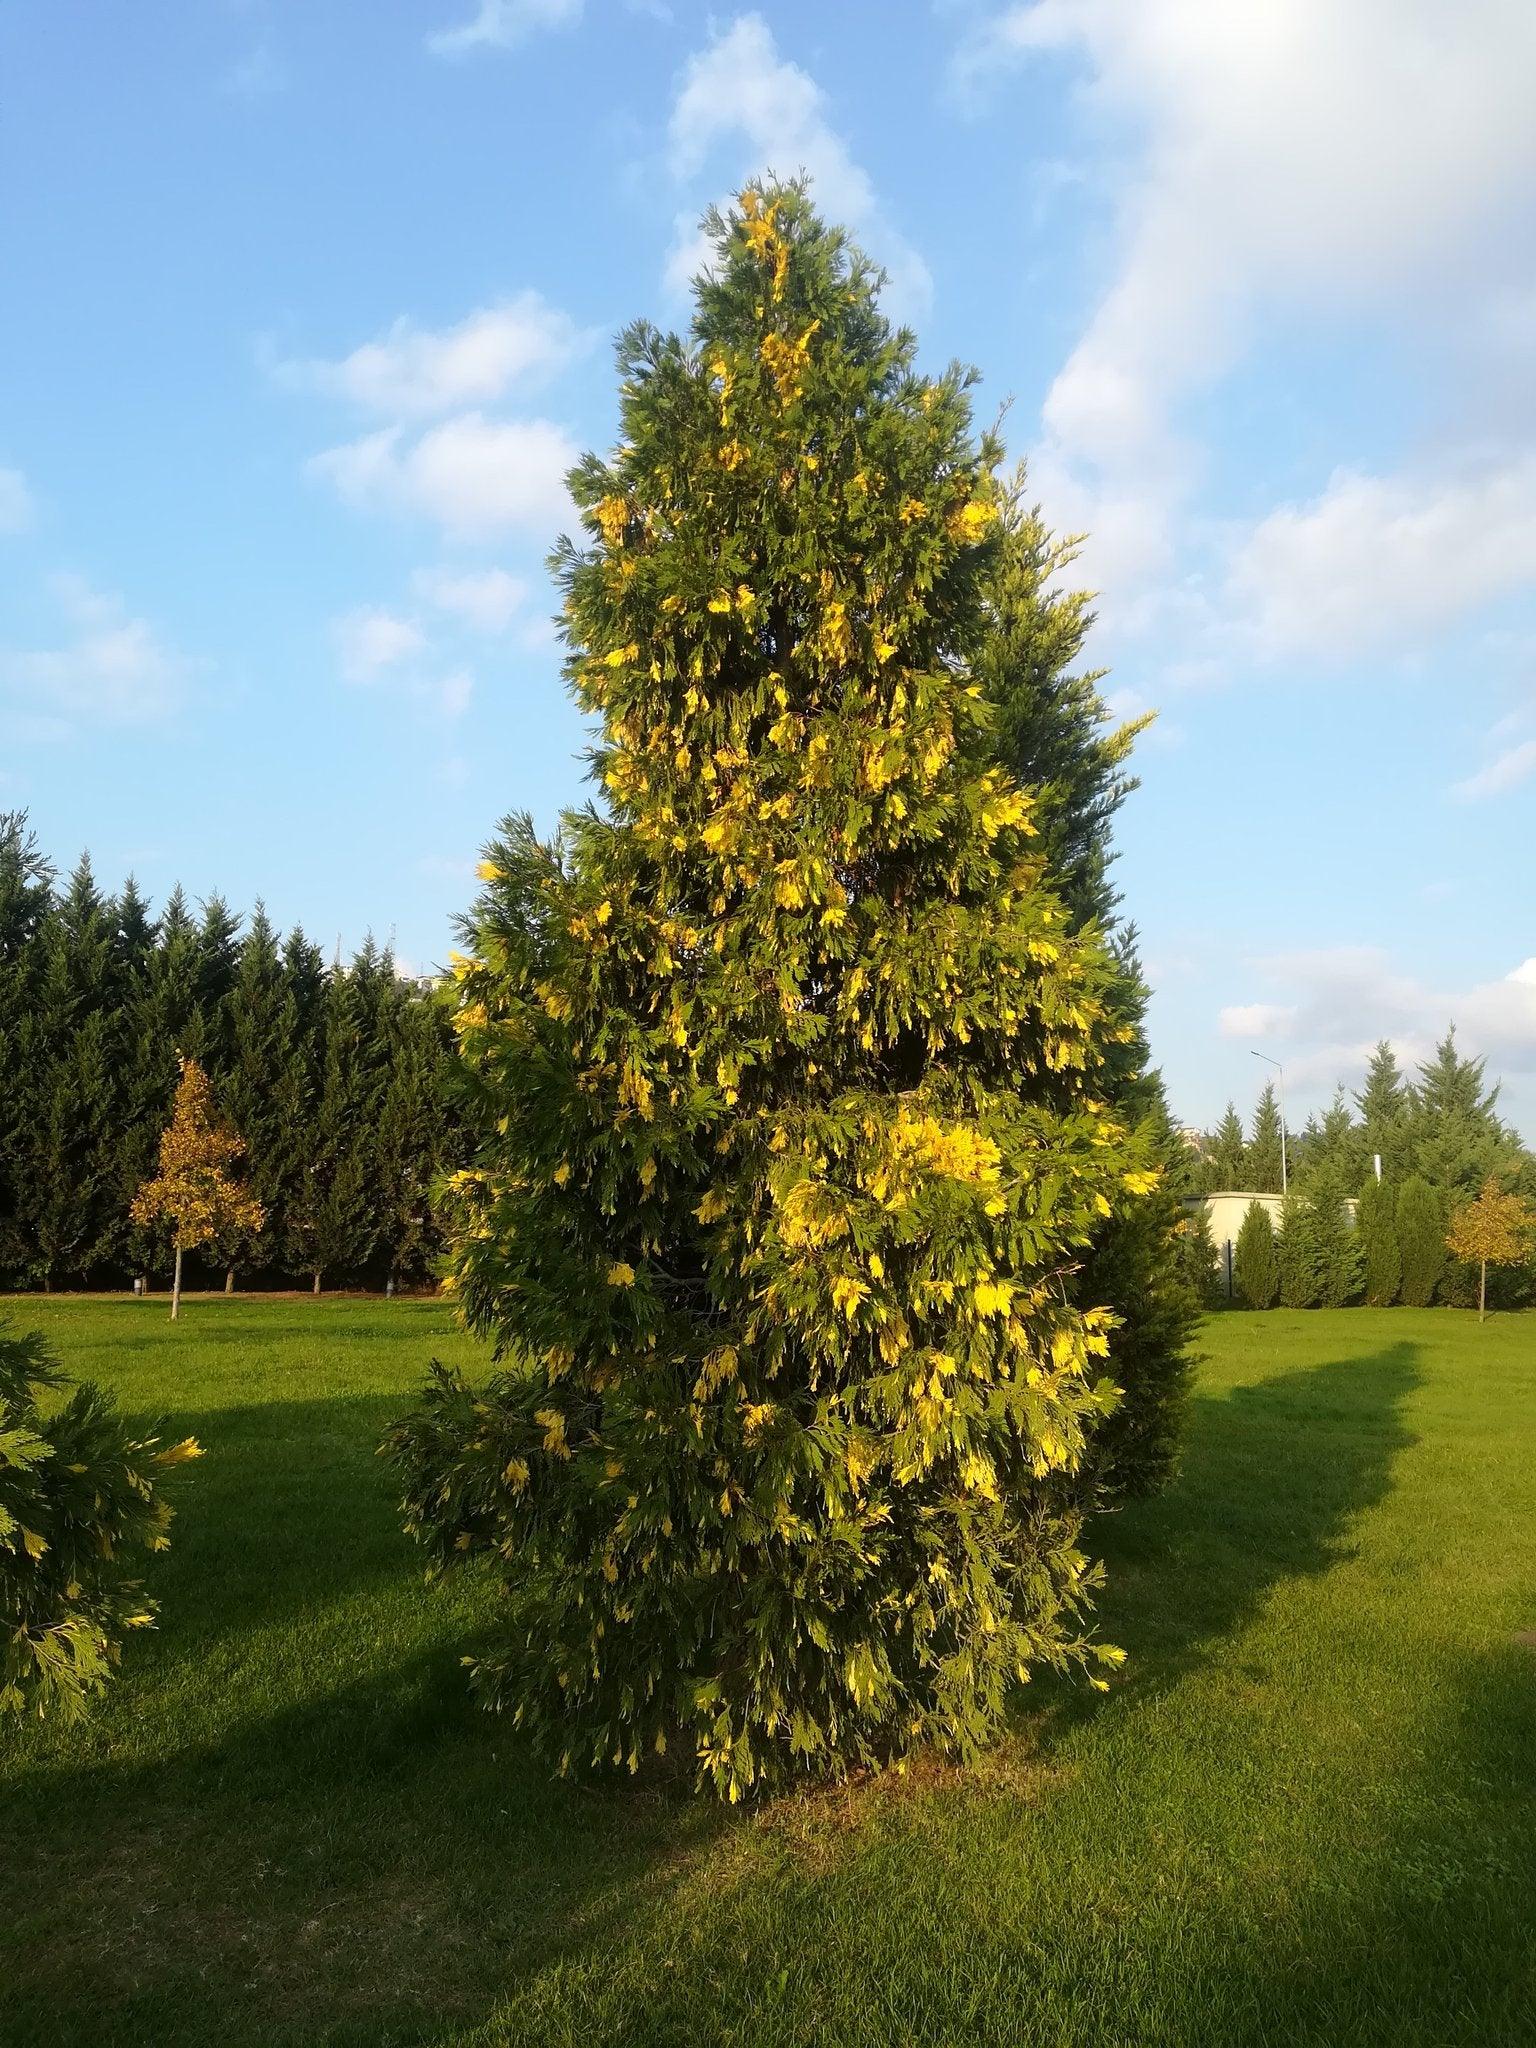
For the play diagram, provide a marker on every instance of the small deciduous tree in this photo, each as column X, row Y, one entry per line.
column 195, row 1190
column 1494, row 1230
column 78, row 1495
column 1255, row 1266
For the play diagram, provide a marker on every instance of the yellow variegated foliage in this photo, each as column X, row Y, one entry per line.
column 790, row 1138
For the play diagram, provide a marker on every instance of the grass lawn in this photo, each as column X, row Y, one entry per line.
column 1306, row 1815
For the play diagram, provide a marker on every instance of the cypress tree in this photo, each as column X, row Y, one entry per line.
column 417, row 1135
column 1053, row 735
column 1422, row 1214
column 256, row 1033
column 26, row 899
column 1225, row 1163
column 1385, row 1104
column 1262, row 1161
column 1335, row 1238
column 332, row 1228
column 1382, row 1259
column 1331, row 1144
column 1459, row 1138
column 1296, row 1254
column 1255, row 1267
column 785, row 1081
column 1197, row 1250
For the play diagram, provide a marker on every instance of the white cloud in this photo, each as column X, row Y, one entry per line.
column 449, row 695
column 1375, row 560
column 15, row 501
column 471, row 474
column 371, row 641
column 111, row 668
column 1279, row 157
column 1253, row 1020
column 1344, row 998
column 1505, row 772
column 414, row 371
column 739, row 94
column 256, row 76
column 485, row 600
column 502, row 25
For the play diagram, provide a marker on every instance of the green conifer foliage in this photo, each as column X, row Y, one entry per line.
column 1336, row 1244
column 1422, row 1216
column 1225, row 1165
column 78, row 1498
column 1382, row 1259
column 1385, row 1104
column 1263, row 1158
column 1296, row 1254
column 1055, row 738
column 1255, row 1265
column 1197, row 1252
column 26, row 882
column 1331, row 1143
column 786, row 1097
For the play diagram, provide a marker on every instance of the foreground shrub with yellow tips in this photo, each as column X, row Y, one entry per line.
column 79, row 1498
column 785, row 1075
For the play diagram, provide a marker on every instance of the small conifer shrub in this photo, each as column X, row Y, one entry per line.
column 785, row 1073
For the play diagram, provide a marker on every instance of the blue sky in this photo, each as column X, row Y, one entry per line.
column 306, row 306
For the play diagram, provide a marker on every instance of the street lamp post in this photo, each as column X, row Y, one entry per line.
column 1284, row 1178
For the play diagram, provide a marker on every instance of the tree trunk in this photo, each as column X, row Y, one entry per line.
column 229, row 1279
column 316, row 1288
column 1482, row 1293
column 176, row 1287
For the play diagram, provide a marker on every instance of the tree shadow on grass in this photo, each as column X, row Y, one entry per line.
column 287, row 1821
column 290, row 1510
column 1273, row 1478
column 379, row 1862
column 369, row 1866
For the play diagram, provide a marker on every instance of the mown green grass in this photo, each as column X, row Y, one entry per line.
column 1307, row 1815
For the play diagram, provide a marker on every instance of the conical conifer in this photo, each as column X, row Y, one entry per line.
column 785, row 1070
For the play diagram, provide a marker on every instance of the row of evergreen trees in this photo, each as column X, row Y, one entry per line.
column 1394, row 1251
column 1442, row 1125
column 333, row 1075
column 1439, row 1138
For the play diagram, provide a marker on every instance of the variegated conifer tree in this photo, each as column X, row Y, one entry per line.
column 785, row 1065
